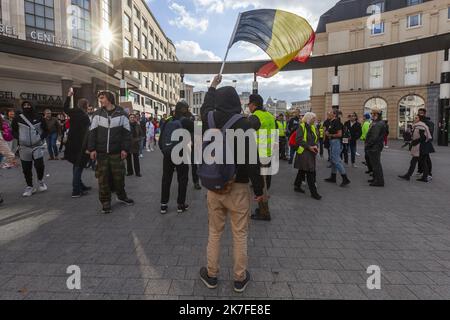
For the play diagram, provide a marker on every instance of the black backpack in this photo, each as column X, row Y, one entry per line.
column 218, row 177
column 166, row 144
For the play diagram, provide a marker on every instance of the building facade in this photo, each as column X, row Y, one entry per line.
column 48, row 46
column 276, row 107
column 399, row 86
column 198, row 99
column 302, row 106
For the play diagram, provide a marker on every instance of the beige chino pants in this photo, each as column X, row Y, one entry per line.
column 237, row 204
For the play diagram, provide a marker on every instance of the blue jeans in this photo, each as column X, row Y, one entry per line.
column 77, row 184
column 336, row 162
column 51, row 145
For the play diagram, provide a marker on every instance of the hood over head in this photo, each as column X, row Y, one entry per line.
column 228, row 101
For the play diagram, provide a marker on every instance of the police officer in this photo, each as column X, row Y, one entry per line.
column 265, row 124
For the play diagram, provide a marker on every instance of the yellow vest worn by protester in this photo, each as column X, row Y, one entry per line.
column 321, row 131
column 282, row 128
column 264, row 135
column 305, row 136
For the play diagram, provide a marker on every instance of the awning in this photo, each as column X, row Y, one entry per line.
column 402, row 49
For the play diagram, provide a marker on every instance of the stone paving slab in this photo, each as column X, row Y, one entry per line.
column 311, row 250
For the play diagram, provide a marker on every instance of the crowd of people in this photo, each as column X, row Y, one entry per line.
column 111, row 141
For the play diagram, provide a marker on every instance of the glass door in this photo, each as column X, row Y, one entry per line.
column 408, row 108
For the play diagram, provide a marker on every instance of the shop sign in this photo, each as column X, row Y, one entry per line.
column 7, row 30
column 35, row 98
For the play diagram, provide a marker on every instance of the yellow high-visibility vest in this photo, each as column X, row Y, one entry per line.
column 305, row 136
column 264, row 134
column 282, row 128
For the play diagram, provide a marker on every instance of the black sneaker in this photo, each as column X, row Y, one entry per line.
column 182, row 208
column 406, row 177
column 77, row 195
column 259, row 217
column 164, row 208
column 85, row 189
column 210, row 283
column 299, row 190
column 197, row 186
column 240, row 286
column 106, row 208
column 126, row 201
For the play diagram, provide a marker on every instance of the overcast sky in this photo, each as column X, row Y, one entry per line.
column 201, row 30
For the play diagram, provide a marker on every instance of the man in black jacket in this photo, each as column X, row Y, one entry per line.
column 354, row 129
column 109, row 143
column 375, row 145
column 76, row 145
column 182, row 116
column 225, row 103
column 428, row 146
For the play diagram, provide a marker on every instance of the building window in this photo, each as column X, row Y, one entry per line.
column 126, row 48
column 136, row 33
column 413, row 2
column 377, row 28
column 448, row 13
column 414, row 20
column 376, row 74
column 127, row 22
column 412, row 70
column 136, row 13
column 106, row 25
column 81, row 29
column 144, row 41
column 136, row 53
column 380, row 6
column 40, row 18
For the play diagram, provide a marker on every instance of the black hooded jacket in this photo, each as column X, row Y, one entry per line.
column 225, row 103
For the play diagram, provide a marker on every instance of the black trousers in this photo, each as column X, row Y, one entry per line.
column 283, row 144
column 310, row 178
column 375, row 163
column 321, row 144
column 195, row 177
column 183, row 178
column 27, row 167
column 424, row 169
column 368, row 164
column 425, row 160
column 133, row 161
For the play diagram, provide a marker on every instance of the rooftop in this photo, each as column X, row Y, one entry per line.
column 352, row 9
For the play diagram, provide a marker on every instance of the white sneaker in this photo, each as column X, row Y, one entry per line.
column 42, row 186
column 148, row 150
column 141, row 156
column 358, row 154
column 152, row 150
column 28, row 192
column 354, row 166
column 430, row 178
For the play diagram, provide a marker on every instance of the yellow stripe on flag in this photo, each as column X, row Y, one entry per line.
column 290, row 32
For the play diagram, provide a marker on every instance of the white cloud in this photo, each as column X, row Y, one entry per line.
column 309, row 9
column 184, row 19
column 191, row 51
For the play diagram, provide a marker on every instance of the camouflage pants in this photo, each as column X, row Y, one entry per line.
column 111, row 176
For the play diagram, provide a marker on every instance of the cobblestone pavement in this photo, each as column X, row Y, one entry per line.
column 311, row 250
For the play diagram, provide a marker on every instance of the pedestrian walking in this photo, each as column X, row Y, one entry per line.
column 374, row 146
column 420, row 136
column 54, row 130
column 305, row 161
column 150, row 131
column 428, row 146
column 109, row 143
column 5, row 151
column 30, row 129
column 143, row 143
column 334, row 136
column 76, row 146
column 292, row 127
column 180, row 120
column 354, row 129
column 220, row 107
column 133, row 165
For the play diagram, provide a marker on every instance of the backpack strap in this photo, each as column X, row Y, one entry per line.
column 235, row 118
column 211, row 121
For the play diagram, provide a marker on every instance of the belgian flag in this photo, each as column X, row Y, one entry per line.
column 284, row 36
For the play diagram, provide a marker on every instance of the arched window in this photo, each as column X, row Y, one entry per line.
column 376, row 102
column 408, row 107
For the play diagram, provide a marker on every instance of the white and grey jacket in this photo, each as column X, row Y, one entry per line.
column 110, row 132
column 29, row 136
